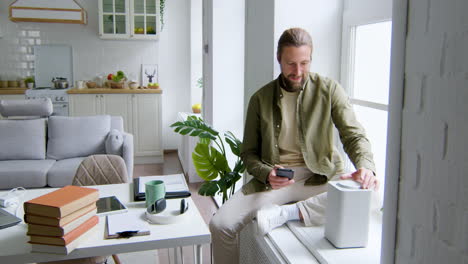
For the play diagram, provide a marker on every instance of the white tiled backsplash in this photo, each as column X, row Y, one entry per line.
column 92, row 56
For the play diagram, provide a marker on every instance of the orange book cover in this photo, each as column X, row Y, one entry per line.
column 58, row 222
column 58, row 231
column 68, row 238
column 61, row 202
column 64, row 249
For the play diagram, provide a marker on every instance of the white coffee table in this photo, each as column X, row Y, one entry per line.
column 191, row 232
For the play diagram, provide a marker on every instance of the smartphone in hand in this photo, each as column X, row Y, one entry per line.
column 288, row 173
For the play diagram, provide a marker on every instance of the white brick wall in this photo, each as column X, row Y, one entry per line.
column 433, row 198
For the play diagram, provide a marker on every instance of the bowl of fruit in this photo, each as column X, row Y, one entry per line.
column 153, row 85
column 117, row 81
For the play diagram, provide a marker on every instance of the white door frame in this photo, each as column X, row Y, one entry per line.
column 207, row 97
column 397, row 72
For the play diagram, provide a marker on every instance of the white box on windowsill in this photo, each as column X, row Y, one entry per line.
column 347, row 214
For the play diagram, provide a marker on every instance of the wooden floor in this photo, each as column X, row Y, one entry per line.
column 205, row 205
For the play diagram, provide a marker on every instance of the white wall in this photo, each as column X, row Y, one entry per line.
column 174, row 66
column 196, row 52
column 322, row 19
column 228, row 66
column 93, row 56
column 433, row 185
column 259, row 46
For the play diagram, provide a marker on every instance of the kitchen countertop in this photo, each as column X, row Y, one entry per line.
column 112, row 91
column 12, row 90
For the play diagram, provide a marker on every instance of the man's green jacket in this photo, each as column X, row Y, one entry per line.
column 322, row 104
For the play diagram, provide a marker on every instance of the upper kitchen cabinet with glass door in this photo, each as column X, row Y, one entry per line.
column 145, row 19
column 129, row 19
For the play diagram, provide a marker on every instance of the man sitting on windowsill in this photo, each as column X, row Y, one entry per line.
column 290, row 123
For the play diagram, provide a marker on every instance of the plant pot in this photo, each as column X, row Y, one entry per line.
column 30, row 85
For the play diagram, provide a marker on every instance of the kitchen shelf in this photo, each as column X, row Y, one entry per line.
column 12, row 90
column 113, row 91
column 64, row 11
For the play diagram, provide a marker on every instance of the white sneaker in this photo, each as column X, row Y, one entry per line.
column 269, row 218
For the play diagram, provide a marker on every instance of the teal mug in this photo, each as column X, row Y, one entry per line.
column 154, row 190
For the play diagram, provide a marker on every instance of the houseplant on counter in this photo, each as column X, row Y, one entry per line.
column 209, row 157
column 29, row 80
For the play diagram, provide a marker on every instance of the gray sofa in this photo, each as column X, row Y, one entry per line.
column 47, row 151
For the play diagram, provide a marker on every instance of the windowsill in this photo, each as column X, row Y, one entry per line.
column 313, row 239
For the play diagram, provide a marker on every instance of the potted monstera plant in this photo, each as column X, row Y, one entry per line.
column 209, row 157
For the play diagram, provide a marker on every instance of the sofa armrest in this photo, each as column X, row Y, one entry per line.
column 128, row 153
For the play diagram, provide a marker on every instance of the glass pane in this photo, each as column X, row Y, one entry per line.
column 120, row 25
column 150, row 7
column 372, row 62
column 107, row 6
column 374, row 122
column 139, row 6
column 120, row 6
column 151, row 25
column 108, row 23
column 139, row 22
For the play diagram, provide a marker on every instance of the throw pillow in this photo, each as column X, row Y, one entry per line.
column 71, row 137
column 22, row 139
column 114, row 142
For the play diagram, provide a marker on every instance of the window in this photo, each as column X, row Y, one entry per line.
column 368, row 80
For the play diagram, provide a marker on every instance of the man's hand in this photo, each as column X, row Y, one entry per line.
column 277, row 182
column 364, row 176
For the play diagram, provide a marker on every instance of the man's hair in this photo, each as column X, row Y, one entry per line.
column 294, row 37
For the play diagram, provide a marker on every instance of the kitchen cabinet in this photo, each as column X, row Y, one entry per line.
column 129, row 19
column 11, row 97
column 141, row 114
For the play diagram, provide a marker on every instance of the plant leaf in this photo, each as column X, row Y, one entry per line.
column 233, row 142
column 195, row 126
column 208, row 162
column 239, row 167
column 185, row 131
column 228, row 179
column 205, row 141
column 209, row 188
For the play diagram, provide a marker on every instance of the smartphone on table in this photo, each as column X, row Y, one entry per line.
column 288, row 173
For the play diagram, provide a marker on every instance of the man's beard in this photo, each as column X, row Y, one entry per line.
column 291, row 86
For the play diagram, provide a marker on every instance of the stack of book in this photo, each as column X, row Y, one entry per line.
column 60, row 220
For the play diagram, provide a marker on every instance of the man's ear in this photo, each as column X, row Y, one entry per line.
column 278, row 58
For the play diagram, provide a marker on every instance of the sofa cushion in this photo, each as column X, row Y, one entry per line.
column 71, row 137
column 63, row 172
column 24, row 173
column 114, row 142
column 22, row 139
column 26, row 107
